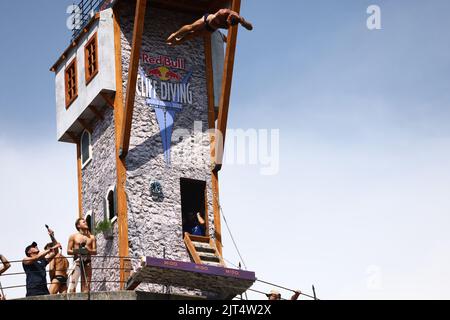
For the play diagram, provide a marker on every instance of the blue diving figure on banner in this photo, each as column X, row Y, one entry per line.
column 166, row 112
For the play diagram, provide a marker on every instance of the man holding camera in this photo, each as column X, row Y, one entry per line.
column 82, row 246
column 34, row 266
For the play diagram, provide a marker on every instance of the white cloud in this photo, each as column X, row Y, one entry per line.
column 334, row 212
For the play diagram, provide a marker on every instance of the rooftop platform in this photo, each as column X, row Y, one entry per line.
column 88, row 8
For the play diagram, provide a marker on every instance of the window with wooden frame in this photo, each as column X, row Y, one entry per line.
column 110, row 204
column 91, row 58
column 71, row 83
column 86, row 148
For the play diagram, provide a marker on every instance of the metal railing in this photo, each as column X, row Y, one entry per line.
column 83, row 12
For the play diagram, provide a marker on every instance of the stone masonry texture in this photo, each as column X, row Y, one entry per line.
column 154, row 226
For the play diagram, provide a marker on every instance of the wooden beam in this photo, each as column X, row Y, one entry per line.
column 191, row 248
column 77, row 141
column 212, row 127
column 108, row 100
column 216, row 252
column 97, row 113
column 217, row 215
column 73, row 137
column 85, row 125
column 226, row 89
column 139, row 20
column 122, row 207
column 80, row 181
column 210, row 84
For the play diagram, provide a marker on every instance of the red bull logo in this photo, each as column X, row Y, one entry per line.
column 154, row 72
column 173, row 76
column 164, row 61
column 164, row 74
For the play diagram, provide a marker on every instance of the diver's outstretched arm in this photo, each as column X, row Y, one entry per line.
column 188, row 31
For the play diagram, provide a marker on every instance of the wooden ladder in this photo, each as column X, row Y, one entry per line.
column 203, row 250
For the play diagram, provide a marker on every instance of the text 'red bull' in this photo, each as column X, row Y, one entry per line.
column 179, row 63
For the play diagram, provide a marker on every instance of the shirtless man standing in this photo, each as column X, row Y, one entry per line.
column 222, row 19
column 82, row 246
column 58, row 272
column 57, row 267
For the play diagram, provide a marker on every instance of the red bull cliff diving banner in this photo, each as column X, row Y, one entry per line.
column 164, row 82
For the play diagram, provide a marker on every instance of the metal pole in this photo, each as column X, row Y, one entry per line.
column 85, row 278
column 166, row 289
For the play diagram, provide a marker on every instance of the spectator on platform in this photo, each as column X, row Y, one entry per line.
column 58, row 271
column 82, row 246
column 34, row 266
column 276, row 295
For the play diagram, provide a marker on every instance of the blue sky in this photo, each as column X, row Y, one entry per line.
column 365, row 161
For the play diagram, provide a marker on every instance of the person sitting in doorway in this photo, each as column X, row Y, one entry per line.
column 222, row 19
column 196, row 224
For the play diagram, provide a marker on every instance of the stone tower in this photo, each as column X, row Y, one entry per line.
column 142, row 115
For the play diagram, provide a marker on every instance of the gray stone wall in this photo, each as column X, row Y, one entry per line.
column 97, row 177
column 155, row 226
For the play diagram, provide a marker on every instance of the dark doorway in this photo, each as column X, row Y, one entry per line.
column 89, row 223
column 193, row 200
column 111, row 206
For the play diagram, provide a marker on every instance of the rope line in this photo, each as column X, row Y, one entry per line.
column 229, row 231
column 242, row 259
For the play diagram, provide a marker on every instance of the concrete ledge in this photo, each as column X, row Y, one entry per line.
column 116, row 295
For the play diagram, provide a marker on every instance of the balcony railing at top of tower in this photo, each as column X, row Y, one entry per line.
column 82, row 13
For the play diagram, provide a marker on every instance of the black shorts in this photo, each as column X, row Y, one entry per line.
column 62, row 280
